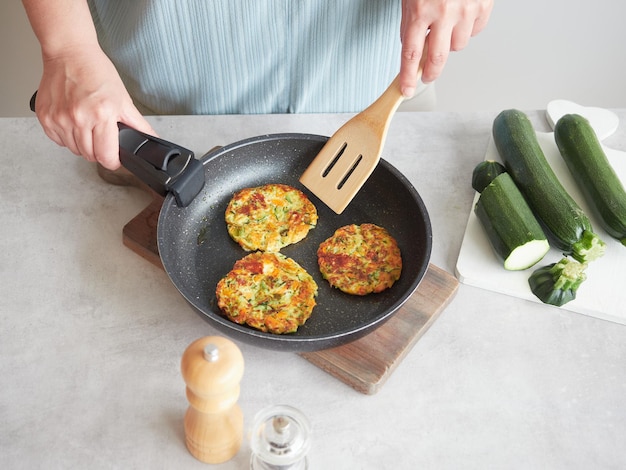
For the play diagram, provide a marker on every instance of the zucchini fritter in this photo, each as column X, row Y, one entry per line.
column 269, row 217
column 267, row 291
column 360, row 259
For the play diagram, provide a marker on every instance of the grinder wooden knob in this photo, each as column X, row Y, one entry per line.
column 212, row 368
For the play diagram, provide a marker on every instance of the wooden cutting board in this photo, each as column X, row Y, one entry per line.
column 364, row 364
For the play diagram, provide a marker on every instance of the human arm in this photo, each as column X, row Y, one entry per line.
column 449, row 25
column 81, row 97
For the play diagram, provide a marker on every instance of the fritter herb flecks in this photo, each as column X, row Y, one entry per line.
column 267, row 291
column 269, row 217
column 360, row 259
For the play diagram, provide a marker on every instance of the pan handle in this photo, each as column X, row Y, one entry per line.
column 164, row 166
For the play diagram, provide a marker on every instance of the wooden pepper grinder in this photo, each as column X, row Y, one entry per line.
column 212, row 368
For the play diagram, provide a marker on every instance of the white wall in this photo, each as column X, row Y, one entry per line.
column 531, row 52
column 534, row 51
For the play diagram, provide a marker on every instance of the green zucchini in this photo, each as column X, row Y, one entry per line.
column 557, row 283
column 565, row 223
column 484, row 173
column 511, row 227
column 580, row 148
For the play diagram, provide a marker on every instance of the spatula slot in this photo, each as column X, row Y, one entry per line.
column 350, row 171
column 334, row 160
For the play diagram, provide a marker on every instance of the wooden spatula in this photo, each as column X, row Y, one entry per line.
column 349, row 157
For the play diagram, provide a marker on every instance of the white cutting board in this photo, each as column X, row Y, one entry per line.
column 602, row 295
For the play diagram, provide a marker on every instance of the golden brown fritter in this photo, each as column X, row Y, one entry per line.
column 360, row 259
column 267, row 291
column 269, row 217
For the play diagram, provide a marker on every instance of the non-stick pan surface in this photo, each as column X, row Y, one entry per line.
column 197, row 251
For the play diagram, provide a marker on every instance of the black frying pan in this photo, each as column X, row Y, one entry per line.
column 197, row 251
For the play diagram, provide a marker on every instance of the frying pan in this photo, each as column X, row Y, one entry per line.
column 196, row 250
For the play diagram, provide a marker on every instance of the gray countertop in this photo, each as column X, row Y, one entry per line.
column 91, row 334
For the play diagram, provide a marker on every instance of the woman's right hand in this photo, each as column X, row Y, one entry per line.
column 449, row 23
column 80, row 100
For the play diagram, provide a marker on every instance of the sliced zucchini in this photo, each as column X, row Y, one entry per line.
column 511, row 227
column 557, row 283
column 484, row 173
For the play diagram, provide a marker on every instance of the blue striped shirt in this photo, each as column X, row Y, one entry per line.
column 251, row 56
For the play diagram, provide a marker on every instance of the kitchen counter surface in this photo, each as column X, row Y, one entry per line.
column 91, row 334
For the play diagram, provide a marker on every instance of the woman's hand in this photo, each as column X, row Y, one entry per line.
column 449, row 25
column 81, row 97
column 80, row 100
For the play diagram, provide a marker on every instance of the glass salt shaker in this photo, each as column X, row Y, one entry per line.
column 280, row 439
